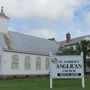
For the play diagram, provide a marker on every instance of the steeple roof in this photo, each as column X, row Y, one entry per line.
column 2, row 14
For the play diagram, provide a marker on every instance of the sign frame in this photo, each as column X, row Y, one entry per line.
column 51, row 78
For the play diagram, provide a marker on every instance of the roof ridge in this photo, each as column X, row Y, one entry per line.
column 76, row 38
column 29, row 35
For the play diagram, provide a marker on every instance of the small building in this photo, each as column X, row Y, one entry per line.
column 72, row 43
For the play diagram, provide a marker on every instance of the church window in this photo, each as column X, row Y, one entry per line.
column 47, row 64
column 27, row 62
column 38, row 63
column 15, row 62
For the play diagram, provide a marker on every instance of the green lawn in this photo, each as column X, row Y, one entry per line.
column 43, row 84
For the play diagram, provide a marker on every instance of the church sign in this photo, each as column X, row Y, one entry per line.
column 66, row 66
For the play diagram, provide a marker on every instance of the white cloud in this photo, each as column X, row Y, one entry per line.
column 87, row 18
column 51, row 9
column 11, row 29
column 79, row 32
column 45, row 33
column 42, row 33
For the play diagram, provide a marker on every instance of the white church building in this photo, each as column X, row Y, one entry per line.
column 22, row 54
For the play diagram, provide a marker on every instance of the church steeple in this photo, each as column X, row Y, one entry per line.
column 2, row 14
column 4, row 21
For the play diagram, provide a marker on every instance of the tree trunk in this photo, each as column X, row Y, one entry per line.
column 84, row 57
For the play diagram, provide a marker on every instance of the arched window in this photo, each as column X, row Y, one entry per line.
column 47, row 64
column 38, row 63
column 15, row 62
column 27, row 62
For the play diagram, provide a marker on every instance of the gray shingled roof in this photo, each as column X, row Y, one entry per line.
column 73, row 41
column 18, row 42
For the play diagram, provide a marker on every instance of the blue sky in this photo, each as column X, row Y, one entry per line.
column 49, row 18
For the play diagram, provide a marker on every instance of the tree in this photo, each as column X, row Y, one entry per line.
column 83, row 46
column 70, row 51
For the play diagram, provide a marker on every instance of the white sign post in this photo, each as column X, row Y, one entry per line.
column 50, row 69
column 66, row 66
column 83, row 78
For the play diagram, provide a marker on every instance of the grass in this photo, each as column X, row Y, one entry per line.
column 43, row 84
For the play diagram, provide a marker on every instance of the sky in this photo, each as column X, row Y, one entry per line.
column 48, row 18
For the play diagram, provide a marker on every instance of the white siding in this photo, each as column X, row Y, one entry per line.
column 7, row 60
column 1, row 64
